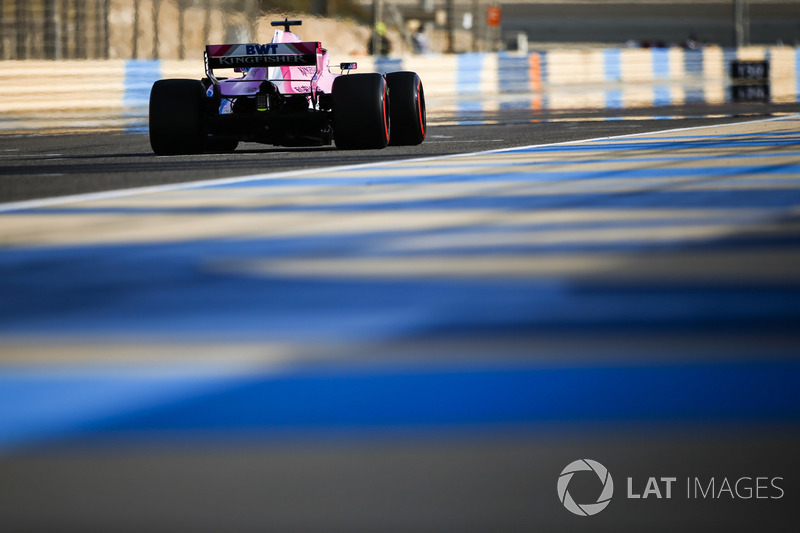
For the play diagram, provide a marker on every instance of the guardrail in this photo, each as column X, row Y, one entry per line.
column 553, row 79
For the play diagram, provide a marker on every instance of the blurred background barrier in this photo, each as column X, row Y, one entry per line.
column 105, row 54
column 178, row 29
column 163, row 29
column 551, row 79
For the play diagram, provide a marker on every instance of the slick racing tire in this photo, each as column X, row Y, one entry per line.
column 406, row 108
column 360, row 112
column 176, row 117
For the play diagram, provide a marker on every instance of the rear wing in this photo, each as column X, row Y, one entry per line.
column 262, row 55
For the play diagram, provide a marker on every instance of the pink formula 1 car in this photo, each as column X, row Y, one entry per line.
column 286, row 95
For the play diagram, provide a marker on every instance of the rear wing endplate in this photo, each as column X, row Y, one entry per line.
column 262, row 55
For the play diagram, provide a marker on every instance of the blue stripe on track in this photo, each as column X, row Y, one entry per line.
column 660, row 63
column 468, row 85
column 693, row 63
column 778, row 197
column 648, row 145
column 543, row 66
column 513, row 78
column 729, row 55
column 662, row 96
column 37, row 407
column 512, row 74
column 140, row 75
column 756, row 135
column 534, row 164
column 797, row 72
column 612, row 65
column 533, row 176
column 693, row 66
column 204, row 289
column 544, row 78
column 612, row 72
column 468, row 75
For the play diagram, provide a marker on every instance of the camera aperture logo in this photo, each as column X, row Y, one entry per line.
column 585, row 509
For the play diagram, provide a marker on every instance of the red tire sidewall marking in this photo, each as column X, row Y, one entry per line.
column 385, row 122
column 419, row 107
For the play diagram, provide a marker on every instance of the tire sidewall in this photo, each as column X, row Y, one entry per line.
column 407, row 108
column 361, row 115
column 176, row 118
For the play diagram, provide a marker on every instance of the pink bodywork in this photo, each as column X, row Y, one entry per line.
column 289, row 80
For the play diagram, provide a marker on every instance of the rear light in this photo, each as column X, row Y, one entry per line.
column 262, row 102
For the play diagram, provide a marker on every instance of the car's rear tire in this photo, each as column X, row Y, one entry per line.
column 176, row 117
column 406, row 108
column 360, row 112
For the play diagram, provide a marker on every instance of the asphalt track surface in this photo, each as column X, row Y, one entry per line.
column 60, row 163
column 409, row 346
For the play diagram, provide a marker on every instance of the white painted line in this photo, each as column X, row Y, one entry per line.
column 124, row 193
